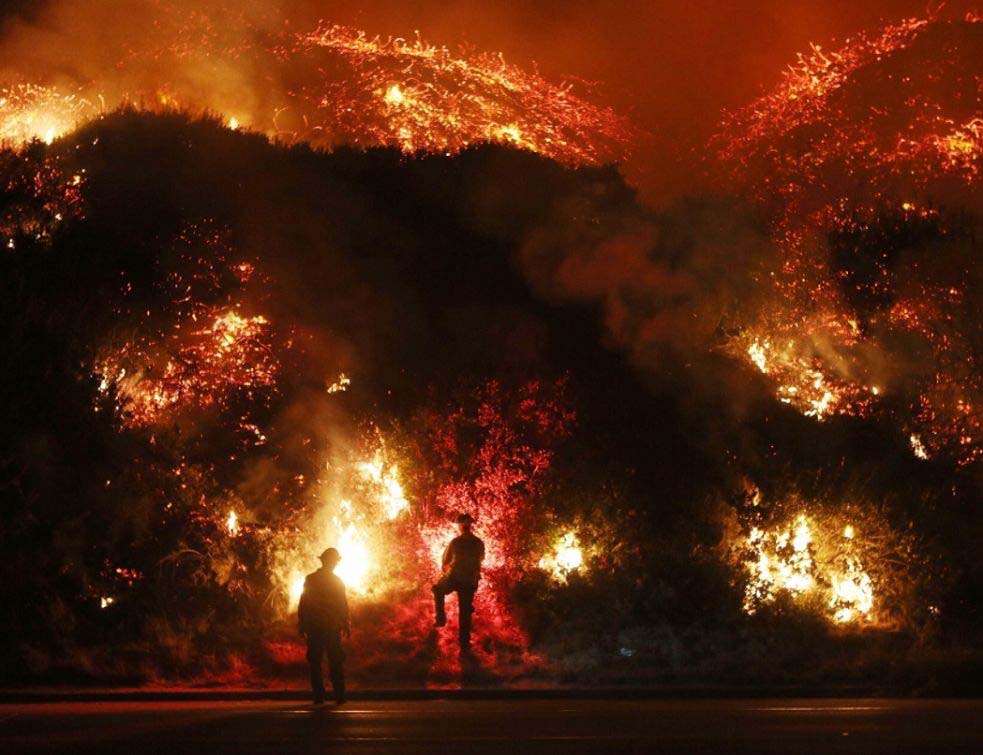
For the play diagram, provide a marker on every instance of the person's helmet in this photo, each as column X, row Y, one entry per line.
column 332, row 555
column 464, row 519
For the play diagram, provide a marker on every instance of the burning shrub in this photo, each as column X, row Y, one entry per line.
column 228, row 351
column 844, row 561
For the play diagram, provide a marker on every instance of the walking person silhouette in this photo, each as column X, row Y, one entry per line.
column 323, row 618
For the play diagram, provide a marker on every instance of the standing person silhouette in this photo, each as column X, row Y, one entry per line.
column 461, row 573
column 322, row 616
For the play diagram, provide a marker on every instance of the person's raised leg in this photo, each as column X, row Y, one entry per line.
column 440, row 591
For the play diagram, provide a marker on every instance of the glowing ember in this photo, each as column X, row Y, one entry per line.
column 28, row 111
column 106, row 601
column 566, row 557
column 341, row 384
column 961, row 149
column 232, row 524
column 41, row 197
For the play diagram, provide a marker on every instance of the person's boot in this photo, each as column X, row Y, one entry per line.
column 317, row 689
column 339, row 693
column 464, row 631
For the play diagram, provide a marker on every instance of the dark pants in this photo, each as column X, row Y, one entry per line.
column 320, row 643
column 465, row 605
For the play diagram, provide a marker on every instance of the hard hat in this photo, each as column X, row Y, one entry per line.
column 331, row 554
column 464, row 519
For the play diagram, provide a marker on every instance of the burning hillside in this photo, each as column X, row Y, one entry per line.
column 255, row 425
column 866, row 161
column 242, row 397
column 327, row 86
column 236, row 351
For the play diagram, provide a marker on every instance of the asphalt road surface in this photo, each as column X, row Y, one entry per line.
column 495, row 726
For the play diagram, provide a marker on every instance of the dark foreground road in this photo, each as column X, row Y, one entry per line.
column 496, row 726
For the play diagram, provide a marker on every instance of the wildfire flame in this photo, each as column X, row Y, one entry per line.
column 389, row 490
column 30, row 111
column 783, row 560
column 355, row 525
column 426, row 97
column 357, row 563
column 917, row 447
column 803, row 383
column 295, row 589
column 565, row 557
column 341, row 384
column 852, row 595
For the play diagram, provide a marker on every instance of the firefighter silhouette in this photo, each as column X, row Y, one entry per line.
column 323, row 618
column 461, row 571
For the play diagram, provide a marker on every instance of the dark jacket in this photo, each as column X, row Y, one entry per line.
column 323, row 604
column 462, row 559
